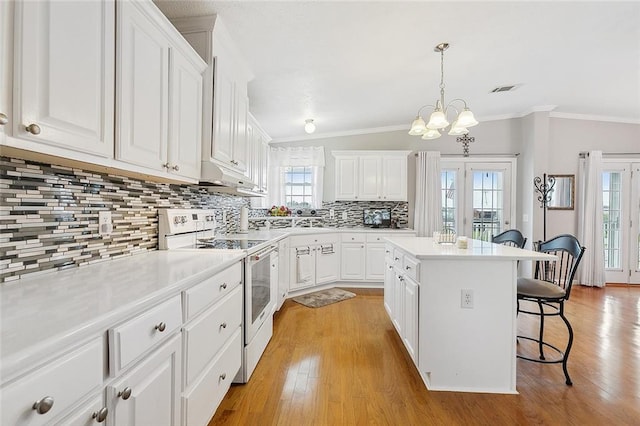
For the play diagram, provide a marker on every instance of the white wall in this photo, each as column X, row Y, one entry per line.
column 544, row 144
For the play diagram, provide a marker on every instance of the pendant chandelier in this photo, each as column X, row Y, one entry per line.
column 438, row 118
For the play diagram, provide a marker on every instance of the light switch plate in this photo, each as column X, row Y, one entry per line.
column 345, row 216
column 332, row 213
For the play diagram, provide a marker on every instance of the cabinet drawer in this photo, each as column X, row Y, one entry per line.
column 83, row 415
column 201, row 401
column 376, row 238
column 204, row 337
column 65, row 380
column 354, row 237
column 411, row 267
column 204, row 294
column 309, row 240
column 129, row 341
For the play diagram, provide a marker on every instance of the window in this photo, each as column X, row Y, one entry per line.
column 298, row 188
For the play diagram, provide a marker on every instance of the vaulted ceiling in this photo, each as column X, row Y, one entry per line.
column 354, row 66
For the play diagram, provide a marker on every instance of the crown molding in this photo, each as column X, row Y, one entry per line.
column 587, row 117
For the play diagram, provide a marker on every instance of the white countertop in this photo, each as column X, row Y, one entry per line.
column 48, row 311
column 427, row 248
column 278, row 233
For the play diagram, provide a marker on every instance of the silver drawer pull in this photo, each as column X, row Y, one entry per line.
column 176, row 168
column 223, row 325
column 397, row 258
column 44, row 405
column 223, row 376
column 223, row 286
column 124, row 393
column 101, row 415
column 407, row 267
column 161, row 327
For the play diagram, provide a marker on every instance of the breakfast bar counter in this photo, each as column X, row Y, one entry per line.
column 455, row 310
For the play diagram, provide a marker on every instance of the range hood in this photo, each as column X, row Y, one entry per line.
column 217, row 178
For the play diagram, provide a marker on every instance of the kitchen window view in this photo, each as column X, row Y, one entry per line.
column 298, row 187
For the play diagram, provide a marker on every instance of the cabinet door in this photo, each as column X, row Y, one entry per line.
column 327, row 263
column 346, row 178
column 223, row 112
column 240, row 151
column 6, row 64
column 389, row 283
column 374, row 270
column 283, row 272
column 394, row 178
column 398, row 299
column 154, row 386
column 410, row 336
column 143, row 86
column 64, row 74
column 370, row 178
column 264, row 164
column 185, row 130
column 353, row 261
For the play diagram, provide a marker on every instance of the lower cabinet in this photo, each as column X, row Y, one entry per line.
column 148, row 394
column 283, row 272
column 363, row 256
column 313, row 260
column 401, row 297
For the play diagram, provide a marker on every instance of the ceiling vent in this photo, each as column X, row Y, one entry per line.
column 505, row 88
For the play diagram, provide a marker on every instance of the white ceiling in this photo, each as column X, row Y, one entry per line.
column 362, row 65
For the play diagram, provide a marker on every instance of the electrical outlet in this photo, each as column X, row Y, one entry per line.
column 466, row 298
column 224, row 217
column 105, row 226
column 344, row 215
column 332, row 213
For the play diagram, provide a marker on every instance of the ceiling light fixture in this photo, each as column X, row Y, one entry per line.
column 438, row 118
column 309, row 127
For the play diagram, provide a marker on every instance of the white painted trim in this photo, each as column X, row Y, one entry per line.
column 594, row 117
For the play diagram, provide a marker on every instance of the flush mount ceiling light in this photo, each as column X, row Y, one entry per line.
column 438, row 118
column 309, row 127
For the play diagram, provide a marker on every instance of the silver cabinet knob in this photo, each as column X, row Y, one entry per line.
column 166, row 166
column 407, row 267
column 223, row 376
column 161, row 327
column 3, row 119
column 223, row 325
column 44, row 405
column 34, row 129
column 223, row 286
column 176, row 168
column 101, row 415
column 124, row 393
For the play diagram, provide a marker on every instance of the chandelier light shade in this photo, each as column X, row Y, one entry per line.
column 309, row 125
column 438, row 119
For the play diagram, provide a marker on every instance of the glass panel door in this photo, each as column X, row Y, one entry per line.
column 487, row 199
column 634, row 240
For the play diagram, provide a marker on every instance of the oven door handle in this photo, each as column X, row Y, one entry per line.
column 264, row 252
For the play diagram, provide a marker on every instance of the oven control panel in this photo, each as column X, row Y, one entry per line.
column 179, row 221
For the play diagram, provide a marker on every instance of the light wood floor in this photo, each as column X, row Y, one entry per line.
column 344, row 364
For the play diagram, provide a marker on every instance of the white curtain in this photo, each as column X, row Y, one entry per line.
column 428, row 211
column 281, row 158
column 591, row 269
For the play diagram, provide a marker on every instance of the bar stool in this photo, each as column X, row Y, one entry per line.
column 510, row 237
column 550, row 288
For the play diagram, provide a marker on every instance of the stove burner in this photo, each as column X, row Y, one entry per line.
column 228, row 244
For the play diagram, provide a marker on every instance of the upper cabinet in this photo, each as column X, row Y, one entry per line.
column 371, row 175
column 64, row 74
column 225, row 140
column 84, row 87
column 258, row 144
column 158, row 94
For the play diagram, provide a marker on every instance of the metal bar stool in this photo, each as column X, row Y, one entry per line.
column 550, row 288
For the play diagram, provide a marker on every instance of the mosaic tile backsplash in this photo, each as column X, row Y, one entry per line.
column 49, row 215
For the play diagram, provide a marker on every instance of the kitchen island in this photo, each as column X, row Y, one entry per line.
column 455, row 310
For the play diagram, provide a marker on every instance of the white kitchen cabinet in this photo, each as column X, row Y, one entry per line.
column 410, row 337
column 225, row 102
column 149, row 393
column 258, row 144
column 283, row 272
column 371, row 175
column 6, row 72
column 158, row 93
column 353, row 259
column 64, row 75
column 89, row 413
column 314, row 260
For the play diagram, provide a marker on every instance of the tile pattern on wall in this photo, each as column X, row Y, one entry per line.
column 49, row 215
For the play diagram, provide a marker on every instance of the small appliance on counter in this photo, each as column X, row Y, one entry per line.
column 377, row 218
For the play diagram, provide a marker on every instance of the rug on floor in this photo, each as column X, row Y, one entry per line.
column 324, row 297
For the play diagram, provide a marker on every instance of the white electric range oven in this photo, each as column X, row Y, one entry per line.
column 194, row 229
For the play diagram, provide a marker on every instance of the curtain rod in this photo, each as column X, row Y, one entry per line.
column 585, row 154
column 475, row 155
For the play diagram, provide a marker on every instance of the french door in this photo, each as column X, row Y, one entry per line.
column 477, row 197
column 621, row 221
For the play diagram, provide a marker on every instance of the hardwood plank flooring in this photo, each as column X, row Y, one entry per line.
column 344, row 364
